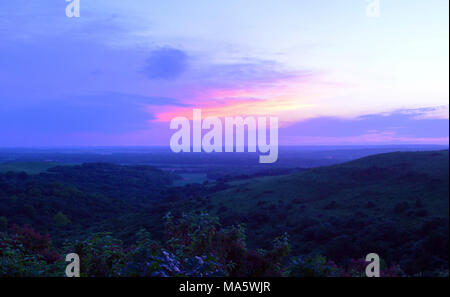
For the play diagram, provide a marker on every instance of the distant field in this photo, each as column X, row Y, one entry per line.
column 28, row 167
column 190, row 178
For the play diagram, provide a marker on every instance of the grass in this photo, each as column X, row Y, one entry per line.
column 339, row 191
column 190, row 178
column 28, row 167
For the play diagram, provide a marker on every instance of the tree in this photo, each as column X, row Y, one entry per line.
column 61, row 220
column 3, row 224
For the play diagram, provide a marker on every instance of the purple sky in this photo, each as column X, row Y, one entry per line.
column 118, row 74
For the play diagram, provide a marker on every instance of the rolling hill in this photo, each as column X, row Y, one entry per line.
column 394, row 204
column 28, row 167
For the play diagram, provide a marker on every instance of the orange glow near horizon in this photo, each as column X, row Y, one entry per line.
column 289, row 100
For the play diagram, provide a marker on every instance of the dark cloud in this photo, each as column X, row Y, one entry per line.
column 107, row 113
column 138, row 99
column 254, row 70
column 407, row 123
column 165, row 63
column 249, row 72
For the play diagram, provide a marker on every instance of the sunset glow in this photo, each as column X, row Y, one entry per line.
column 142, row 65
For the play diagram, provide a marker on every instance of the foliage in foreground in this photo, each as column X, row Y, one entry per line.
column 194, row 245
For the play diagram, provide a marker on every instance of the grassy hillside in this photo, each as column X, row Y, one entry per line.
column 393, row 204
column 387, row 203
column 77, row 200
column 28, row 167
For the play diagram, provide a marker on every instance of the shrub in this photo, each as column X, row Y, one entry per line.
column 61, row 220
column 3, row 224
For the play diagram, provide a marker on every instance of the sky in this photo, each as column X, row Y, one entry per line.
column 119, row 73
